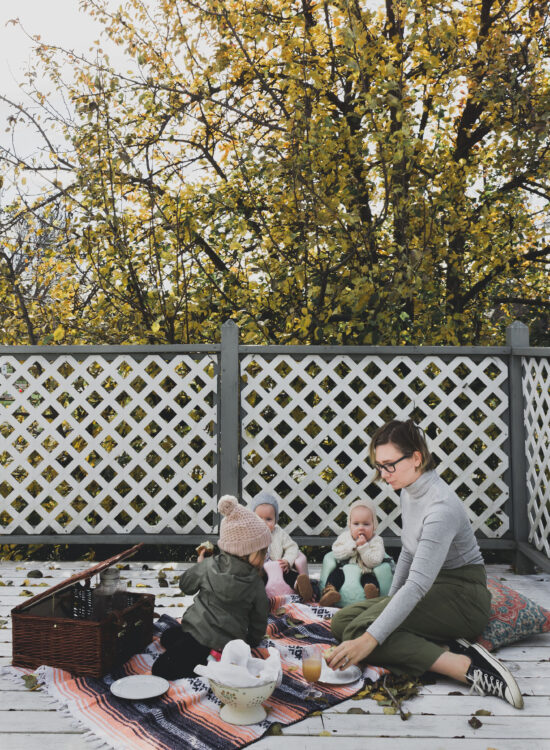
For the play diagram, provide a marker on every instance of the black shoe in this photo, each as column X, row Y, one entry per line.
column 488, row 676
column 459, row 646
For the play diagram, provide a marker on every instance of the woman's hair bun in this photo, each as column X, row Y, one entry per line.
column 227, row 504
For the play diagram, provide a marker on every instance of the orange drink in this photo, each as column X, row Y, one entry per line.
column 312, row 663
column 311, row 669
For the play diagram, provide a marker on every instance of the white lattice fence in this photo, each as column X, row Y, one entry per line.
column 93, row 445
column 536, row 389
column 307, row 422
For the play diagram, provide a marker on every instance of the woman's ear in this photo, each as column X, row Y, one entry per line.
column 417, row 459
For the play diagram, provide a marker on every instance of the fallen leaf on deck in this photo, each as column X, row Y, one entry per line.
column 483, row 712
column 475, row 723
column 390, row 710
column 31, row 681
column 356, row 711
column 363, row 693
column 324, row 733
column 275, row 729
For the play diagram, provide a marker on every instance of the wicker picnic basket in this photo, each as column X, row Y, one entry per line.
column 53, row 627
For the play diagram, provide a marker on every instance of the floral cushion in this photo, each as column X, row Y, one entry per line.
column 513, row 617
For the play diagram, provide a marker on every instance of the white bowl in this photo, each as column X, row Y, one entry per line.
column 242, row 705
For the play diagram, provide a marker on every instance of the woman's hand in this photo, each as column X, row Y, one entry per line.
column 352, row 652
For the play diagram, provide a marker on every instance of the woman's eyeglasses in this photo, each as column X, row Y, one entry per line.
column 389, row 466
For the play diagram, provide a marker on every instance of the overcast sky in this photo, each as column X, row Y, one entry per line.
column 56, row 21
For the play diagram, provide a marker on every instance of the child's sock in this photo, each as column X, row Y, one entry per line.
column 371, row 591
column 304, row 588
column 329, row 596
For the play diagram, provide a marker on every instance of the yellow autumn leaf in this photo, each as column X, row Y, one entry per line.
column 59, row 333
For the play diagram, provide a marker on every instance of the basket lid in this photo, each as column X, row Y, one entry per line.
column 83, row 575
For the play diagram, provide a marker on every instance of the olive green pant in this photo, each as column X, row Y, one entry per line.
column 457, row 606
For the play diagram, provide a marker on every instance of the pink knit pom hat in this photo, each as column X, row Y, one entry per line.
column 367, row 503
column 241, row 531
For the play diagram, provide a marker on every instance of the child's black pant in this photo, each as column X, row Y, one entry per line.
column 289, row 577
column 336, row 577
column 183, row 653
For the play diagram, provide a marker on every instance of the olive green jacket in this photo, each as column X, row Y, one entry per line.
column 230, row 601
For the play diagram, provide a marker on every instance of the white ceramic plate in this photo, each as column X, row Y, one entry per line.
column 140, row 687
column 339, row 677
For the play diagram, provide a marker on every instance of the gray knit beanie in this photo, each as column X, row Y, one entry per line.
column 266, row 498
column 367, row 503
column 241, row 531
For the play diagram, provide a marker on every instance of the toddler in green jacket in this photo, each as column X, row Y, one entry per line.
column 230, row 601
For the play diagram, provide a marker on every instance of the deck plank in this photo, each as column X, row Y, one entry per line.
column 439, row 721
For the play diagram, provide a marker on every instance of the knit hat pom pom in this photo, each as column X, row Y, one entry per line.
column 227, row 504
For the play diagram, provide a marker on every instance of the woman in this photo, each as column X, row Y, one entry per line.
column 439, row 592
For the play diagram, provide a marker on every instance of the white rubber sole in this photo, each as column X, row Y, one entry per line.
column 516, row 698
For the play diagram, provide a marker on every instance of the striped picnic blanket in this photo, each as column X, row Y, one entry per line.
column 187, row 716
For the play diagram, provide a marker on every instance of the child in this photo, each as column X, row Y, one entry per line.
column 359, row 545
column 282, row 547
column 231, row 602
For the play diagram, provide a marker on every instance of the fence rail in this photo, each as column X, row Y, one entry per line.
column 105, row 442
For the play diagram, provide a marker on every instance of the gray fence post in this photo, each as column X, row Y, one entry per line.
column 229, row 442
column 517, row 335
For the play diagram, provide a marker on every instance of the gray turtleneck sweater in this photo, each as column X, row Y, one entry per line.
column 436, row 535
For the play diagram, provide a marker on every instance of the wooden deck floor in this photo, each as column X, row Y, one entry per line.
column 439, row 720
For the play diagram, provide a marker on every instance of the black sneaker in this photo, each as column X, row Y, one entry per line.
column 459, row 645
column 487, row 675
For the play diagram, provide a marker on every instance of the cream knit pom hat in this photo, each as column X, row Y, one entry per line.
column 241, row 531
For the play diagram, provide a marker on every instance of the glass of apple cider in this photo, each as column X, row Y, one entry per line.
column 312, row 662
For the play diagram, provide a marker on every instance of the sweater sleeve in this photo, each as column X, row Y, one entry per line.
column 438, row 531
column 190, row 580
column 344, row 546
column 290, row 548
column 372, row 553
column 402, row 567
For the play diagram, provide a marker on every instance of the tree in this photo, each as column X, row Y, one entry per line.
column 319, row 171
column 37, row 284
